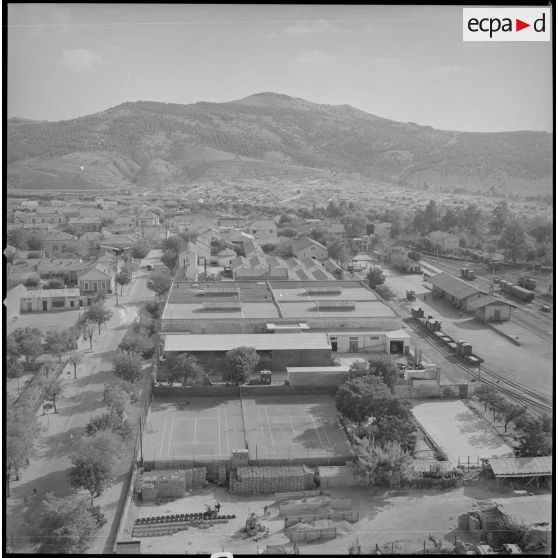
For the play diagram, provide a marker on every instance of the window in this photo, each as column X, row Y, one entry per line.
column 312, row 248
column 374, row 337
column 103, row 284
column 86, row 285
column 72, row 303
column 95, row 286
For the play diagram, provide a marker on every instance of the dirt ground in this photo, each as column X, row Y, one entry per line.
column 405, row 518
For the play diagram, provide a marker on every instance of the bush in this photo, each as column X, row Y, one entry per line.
column 138, row 344
column 100, row 422
column 153, row 308
column 98, row 515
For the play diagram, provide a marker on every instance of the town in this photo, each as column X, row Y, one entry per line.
column 193, row 355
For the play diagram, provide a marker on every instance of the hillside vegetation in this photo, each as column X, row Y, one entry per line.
column 148, row 143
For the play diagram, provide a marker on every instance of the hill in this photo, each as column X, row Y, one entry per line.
column 147, row 144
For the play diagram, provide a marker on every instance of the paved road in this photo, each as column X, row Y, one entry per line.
column 81, row 399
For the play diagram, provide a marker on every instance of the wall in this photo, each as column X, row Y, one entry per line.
column 281, row 359
column 37, row 304
column 426, row 388
column 164, row 391
column 329, row 379
column 12, row 301
column 487, row 314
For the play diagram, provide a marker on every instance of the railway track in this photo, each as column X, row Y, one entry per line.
column 533, row 328
column 537, row 402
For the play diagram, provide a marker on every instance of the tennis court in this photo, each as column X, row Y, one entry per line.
column 206, row 429
column 294, row 427
column 274, row 428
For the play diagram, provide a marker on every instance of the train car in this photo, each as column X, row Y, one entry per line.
column 527, row 283
column 519, row 292
column 467, row 273
column 417, row 312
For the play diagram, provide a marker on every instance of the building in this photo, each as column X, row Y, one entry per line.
column 454, row 289
column 67, row 269
column 382, row 231
column 443, row 241
column 56, row 242
column 521, row 472
column 147, row 219
column 264, row 230
column 86, row 224
column 248, row 306
column 277, row 351
column 306, row 247
column 225, row 257
column 49, row 300
column 95, row 282
column 488, row 308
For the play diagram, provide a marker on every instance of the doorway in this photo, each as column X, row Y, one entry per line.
column 353, row 344
column 45, row 304
column 333, row 341
column 396, row 347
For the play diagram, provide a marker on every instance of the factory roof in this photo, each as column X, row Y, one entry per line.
column 260, row 341
column 453, row 286
column 521, row 466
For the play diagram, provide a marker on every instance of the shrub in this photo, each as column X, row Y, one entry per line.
column 98, row 515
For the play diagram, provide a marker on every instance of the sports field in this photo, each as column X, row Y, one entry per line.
column 277, row 428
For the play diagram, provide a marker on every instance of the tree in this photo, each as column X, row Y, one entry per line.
column 387, row 465
column 98, row 314
column 159, row 283
column 53, row 388
column 396, row 428
column 375, row 277
column 511, row 412
column 153, row 307
column 384, row 292
column 514, row 241
column 138, row 343
column 242, row 362
column 127, row 365
column 184, row 367
column 75, row 358
column 356, row 399
column 21, row 429
column 89, row 330
column 500, row 216
column 140, row 249
column 336, row 249
column 170, row 258
column 354, row 225
column 533, row 441
column 385, row 368
column 123, row 277
column 18, row 238
column 35, row 242
column 32, row 282
column 65, row 526
column 60, row 342
column 55, row 284
column 93, row 464
column 27, row 342
column 415, row 256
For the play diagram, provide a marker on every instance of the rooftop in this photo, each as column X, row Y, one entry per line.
column 452, row 285
column 260, row 341
column 50, row 293
column 476, row 302
column 521, row 466
column 528, row 510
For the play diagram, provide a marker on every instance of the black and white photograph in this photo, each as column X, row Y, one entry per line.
column 278, row 279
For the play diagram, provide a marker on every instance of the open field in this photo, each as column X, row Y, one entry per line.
column 459, row 432
column 209, row 428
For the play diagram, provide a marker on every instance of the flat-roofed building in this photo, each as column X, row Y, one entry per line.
column 277, row 351
column 276, row 301
column 48, row 300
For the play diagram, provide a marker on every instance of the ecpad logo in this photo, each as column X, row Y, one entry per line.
column 506, row 24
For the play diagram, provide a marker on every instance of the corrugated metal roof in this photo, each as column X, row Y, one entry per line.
column 260, row 341
column 528, row 510
column 521, row 466
column 453, row 286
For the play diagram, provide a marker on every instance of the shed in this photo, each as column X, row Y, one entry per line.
column 488, row 308
column 528, row 468
column 454, row 289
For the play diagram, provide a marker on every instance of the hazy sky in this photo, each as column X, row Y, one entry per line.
column 403, row 63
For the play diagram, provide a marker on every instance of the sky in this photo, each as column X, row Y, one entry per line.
column 406, row 63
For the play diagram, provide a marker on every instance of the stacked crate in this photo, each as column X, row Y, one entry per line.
column 195, row 477
column 267, row 480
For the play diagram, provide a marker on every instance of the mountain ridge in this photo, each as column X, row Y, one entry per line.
column 144, row 143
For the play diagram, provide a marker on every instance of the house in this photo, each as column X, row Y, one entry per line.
column 42, row 216
column 382, row 231
column 86, row 224
column 488, row 308
column 29, row 204
column 306, row 247
column 67, row 269
column 264, row 230
column 48, row 300
column 225, row 257
column 147, row 219
column 56, row 242
column 444, row 241
column 236, row 238
column 230, row 222
column 454, row 289
column 96, row 281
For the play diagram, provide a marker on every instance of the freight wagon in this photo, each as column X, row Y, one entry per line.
column 515, row 290
column 461, row 348
column 467, row 273
column 527, row 283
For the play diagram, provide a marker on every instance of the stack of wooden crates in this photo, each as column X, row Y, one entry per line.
column 268, row 480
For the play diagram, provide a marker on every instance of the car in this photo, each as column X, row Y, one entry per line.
column 148, row 267
column 544, row 308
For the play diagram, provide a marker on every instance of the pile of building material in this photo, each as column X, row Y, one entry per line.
column 312, row 531
column 154, row 485
column 266, row 480
column 317, row 504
